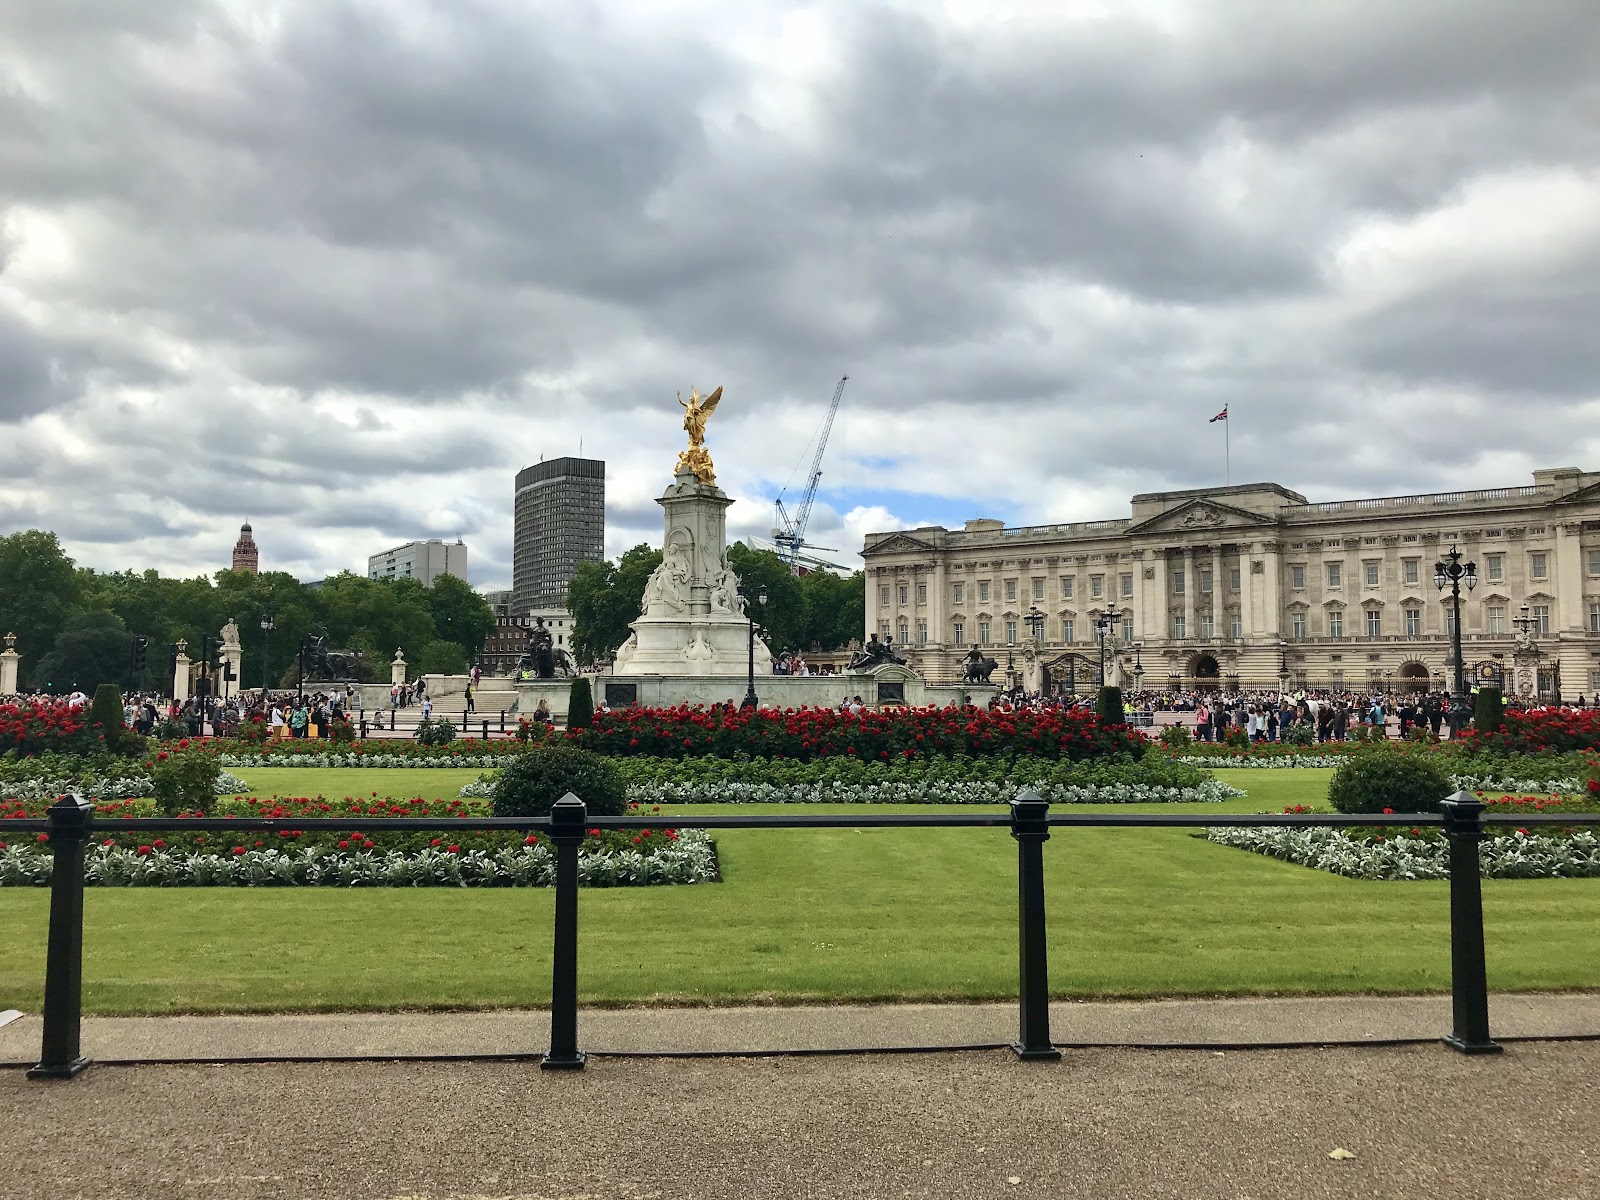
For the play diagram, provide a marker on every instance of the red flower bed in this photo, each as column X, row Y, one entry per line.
column 35, row 726
column 815, row 733
column 1556, row 731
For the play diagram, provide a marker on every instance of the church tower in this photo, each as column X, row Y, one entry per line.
column 245, row 555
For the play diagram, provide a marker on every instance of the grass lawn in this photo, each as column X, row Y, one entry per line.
column 823, row 915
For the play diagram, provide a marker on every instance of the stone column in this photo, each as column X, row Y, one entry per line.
column 9, row 660
column 1190, row 586
column 397, row 669
column 1159, row 626
column 936, row 605
column 1219, row 594
column 1246, row 609
column 180, row 674
column 1272, row 613
column 233, row 657
column 1569, row 579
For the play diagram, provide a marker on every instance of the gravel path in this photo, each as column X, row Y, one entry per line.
column 1102, row 1123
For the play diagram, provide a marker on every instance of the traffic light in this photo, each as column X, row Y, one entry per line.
column 140, row 645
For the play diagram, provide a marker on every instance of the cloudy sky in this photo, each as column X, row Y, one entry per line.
column 341, row 267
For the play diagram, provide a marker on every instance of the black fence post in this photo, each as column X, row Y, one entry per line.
column 1469, row 984
column 363, row 728
column 502, row 720
column 567, row 821
column 70, row 819
column 392, row 712
column 486, row 730
column 1029, row 827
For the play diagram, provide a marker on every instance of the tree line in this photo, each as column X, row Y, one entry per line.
column 76, row 626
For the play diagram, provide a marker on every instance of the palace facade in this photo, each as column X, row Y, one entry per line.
column 1243, row 586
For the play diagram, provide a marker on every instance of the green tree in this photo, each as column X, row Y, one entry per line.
column 835, row 609
column 604, row 598
column 783, row 617
column 94, row 648
column 440, row 657
column 38, row 590
column 460, row 615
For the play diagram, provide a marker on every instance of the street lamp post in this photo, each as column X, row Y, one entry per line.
column 1035, row 623
column 268, row 624
column 1283, row 668
column 758, row 596
column 1451, row 572
column 1105, row 620
column 1138, row 666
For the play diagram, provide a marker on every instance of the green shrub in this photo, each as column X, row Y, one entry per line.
column 1237, row 736
column 168, row 730
column 184, row 781
column 1109, row 705
column 1373, row 782
column 1176, row 736
column 106, row 712
column 1488, row 710
column 342, row 731
column 1300, row 735
column 531, row 783
column 580, row 705
column 435, row 731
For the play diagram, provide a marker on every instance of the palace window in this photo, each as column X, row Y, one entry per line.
column 1413, row 622
column 1594, row 617
column 1236, row 627
column 1374, row 622
column 1067, row 626
column 1449, row 620
column 904, row 593
column 1335, row 574
column 922, row 633
column 1127, row 629
column 1178, row 630
column 1335, row 623
column 1233, row 579
column 1297, row 625
column 1494, row 566
column 883, row 596
column 983, row 589
column 1297, row 576
column 1127, row 587
column 1177, row 583
column 1097, row 586
column 1038, row 589
column 1372, row 573
column 905, row 633
column 922, row 593
column 1205, row 581
column 1408, row 570
column 959, row 633
column 1594, row 562
column 1011, row 631
column 983, row 632
column 1066, row 587
column 1011, row 589
column 1539, row 566
column 883, row 629
column 960, row 594
column 1594, row 679
column 1541, row 619
column 1207, row 628
column 1495, row 615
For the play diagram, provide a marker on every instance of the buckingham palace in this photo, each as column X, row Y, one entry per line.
column 1249, row 585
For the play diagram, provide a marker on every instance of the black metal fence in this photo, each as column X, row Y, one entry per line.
column 71, row 825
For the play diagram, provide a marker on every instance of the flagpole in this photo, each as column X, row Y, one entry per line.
column 1227, row 453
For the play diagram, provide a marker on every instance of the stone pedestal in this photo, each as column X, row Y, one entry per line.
column 180, row 677
column 9, row 662
column 233, row 664
column 694, row 622
column 1524, row 679
column 397, row 669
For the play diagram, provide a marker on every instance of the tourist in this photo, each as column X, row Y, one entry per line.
column 542, row 714
column 471, row 705
column 299, row 719
column 276, row 728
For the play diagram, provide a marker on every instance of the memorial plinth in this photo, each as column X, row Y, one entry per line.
column 693, row 621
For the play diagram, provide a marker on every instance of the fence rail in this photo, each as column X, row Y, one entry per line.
column 70, row 826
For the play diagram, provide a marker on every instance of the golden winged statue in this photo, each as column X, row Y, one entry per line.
column 697, row 410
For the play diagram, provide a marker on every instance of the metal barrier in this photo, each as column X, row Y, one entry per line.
column 70, row 825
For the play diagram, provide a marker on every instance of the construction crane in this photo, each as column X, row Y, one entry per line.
column 791, row 538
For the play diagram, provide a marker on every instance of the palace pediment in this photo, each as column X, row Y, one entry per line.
column 1202, row 516
column 898, row 544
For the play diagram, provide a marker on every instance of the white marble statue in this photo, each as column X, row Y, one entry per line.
column 230, row 636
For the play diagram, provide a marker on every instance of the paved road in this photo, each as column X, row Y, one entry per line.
column 1421, row 1121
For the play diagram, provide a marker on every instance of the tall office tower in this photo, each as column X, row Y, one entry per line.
column 560, row 520
column 245, row 555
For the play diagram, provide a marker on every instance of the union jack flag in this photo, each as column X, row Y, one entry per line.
column 1221, row 416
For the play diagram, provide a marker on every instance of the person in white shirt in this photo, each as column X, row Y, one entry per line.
column 275, row 720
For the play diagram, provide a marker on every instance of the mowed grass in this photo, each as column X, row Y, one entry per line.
column 812, row 916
